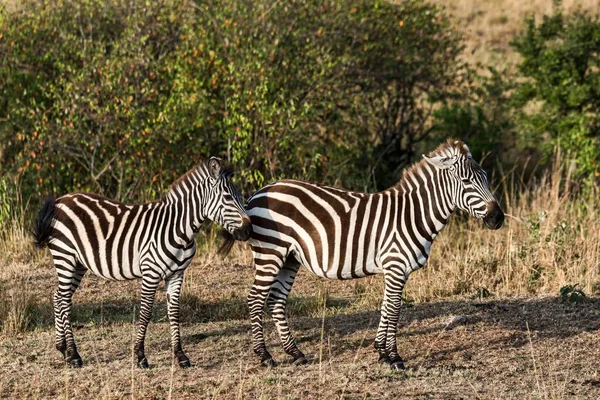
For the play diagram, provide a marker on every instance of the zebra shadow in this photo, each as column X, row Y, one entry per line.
column 519, row 319
column 542, row 317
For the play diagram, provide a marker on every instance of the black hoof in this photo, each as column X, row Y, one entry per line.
column 185, row 364
column 76, row 363
column 143, row 363
column 300, row 361
column 269, row 363
column 384, row 359
column 398, row 366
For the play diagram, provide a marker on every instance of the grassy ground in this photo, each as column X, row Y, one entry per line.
column 489, row 25
column 523, row 341
column 483, row 320
column 537, row 347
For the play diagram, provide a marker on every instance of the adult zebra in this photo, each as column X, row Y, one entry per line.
column 152, row 241
column 338, row 234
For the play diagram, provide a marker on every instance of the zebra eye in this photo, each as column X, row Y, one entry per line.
column 466, row 181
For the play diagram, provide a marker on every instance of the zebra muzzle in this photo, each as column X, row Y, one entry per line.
column 243, row 233
column 494, row 218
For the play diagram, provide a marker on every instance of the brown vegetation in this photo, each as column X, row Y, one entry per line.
column 483, row 319
column 489, row 25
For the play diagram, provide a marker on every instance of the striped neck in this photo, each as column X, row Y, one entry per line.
column 184, row 202
column 427, row 194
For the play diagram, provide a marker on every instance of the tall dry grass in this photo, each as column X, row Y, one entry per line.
column 550, row 240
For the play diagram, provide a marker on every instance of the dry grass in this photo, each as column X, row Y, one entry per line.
column 489, row 25
column 522, row 342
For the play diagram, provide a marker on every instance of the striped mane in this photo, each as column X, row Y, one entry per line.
column 202, row 169
column 452, row 147
column 185, row 177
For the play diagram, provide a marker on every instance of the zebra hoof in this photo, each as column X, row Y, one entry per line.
column 398, row 366
column 185, row 364
column 76, row 363
column 143, row 363
column 384, row 359
column 300, row 361
column 269, row 363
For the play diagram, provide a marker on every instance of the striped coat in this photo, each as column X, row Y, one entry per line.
column 339, row 234
column 152, row 242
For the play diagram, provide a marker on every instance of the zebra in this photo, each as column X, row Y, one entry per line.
column 151, row 242
column 339, row 234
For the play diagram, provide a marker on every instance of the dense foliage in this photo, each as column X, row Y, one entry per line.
column 120, row 97
column 558, row 101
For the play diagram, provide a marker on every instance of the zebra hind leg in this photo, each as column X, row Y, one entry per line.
column 61, row 340
column 263, row 280
column 70, row 275
column 277, row 303
column 149, row 286
column 173, row 296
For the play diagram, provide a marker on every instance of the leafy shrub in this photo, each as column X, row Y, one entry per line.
column 558, row 102
column 119, row 98
column 482, row 118
column 572, row 294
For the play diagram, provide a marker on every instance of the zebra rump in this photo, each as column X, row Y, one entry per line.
column 43, row 222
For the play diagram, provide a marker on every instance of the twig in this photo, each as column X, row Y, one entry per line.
column 133, row 357
column 537, row 381
column 515, row 218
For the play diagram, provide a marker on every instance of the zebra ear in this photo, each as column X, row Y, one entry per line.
column 214, row 166
column 441, row 162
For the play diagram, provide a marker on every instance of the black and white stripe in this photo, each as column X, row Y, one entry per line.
column 338, row 234
column 151, row 242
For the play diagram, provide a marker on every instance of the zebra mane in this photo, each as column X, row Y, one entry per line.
column 202, row 169
column 185, row 177
column 451, row 147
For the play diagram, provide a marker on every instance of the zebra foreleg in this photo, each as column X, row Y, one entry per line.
column 173, row 296
column 277, row 303
column 395, row 280
column 380, row 338
column 149, row 286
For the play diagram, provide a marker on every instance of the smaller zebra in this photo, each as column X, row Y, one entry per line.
column 152, row 242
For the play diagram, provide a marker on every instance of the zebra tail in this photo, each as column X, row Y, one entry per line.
column 227, row 242
column 43, row 222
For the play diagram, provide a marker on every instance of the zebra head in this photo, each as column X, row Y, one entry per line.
column 470, row 189
column 223, row 202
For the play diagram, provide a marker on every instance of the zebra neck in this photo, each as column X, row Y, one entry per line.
column 184, row 206
column 425, row 203
column 442, row 198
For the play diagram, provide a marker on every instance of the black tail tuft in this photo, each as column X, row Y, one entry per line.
column 228, row 242
column 43, row 222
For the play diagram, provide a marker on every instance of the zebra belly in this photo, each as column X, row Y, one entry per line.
column 118, row 272
column 353, row 269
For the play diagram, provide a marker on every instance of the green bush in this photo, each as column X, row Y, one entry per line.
column 119, row 98
column 558, row 101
